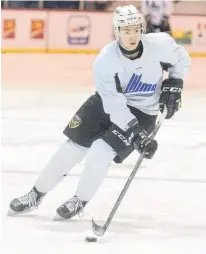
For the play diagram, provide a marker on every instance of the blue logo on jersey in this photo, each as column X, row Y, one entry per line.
column 136, row 85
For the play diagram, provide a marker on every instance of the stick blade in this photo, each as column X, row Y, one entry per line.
column 98, row 230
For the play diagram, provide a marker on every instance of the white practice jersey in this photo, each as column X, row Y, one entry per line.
column 140, row 79
column 157, row 10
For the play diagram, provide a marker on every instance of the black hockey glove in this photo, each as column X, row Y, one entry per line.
column 141, row 141
column 171, row 96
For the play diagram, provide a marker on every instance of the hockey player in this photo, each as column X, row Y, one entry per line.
column 157, row 14
column 118, row 118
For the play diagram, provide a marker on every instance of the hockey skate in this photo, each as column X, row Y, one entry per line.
column 70, row 208
column 26, row 203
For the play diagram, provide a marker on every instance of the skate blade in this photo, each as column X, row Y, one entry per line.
column 13, row 213
column 57, row 217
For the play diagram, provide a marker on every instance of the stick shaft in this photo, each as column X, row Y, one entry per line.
column 127, row 184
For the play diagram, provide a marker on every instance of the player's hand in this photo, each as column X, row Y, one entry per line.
column 141, row 141
column 171, row 96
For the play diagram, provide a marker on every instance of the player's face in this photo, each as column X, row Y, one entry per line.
column 130, row 36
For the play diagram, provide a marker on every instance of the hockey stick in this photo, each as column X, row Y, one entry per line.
column 100, row 230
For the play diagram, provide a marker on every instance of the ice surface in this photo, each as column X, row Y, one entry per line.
column 164, row 210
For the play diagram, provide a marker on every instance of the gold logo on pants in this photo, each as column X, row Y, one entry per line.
column 75, row 122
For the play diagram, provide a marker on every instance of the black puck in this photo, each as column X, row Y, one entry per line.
column 90, row 239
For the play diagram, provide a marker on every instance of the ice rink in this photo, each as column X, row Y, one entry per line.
column 164, row 210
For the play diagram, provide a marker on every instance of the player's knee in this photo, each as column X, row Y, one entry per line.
column 100, row 154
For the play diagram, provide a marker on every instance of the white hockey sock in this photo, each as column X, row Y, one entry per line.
column 65, row 158
column 100, row 157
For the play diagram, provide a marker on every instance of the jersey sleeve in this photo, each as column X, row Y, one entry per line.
column 175, row 57
column 114, row 102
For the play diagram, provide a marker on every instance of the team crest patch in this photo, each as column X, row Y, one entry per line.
column 75, row 122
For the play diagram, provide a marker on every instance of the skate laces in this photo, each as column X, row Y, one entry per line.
column 29, row 198
column 73, row 205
